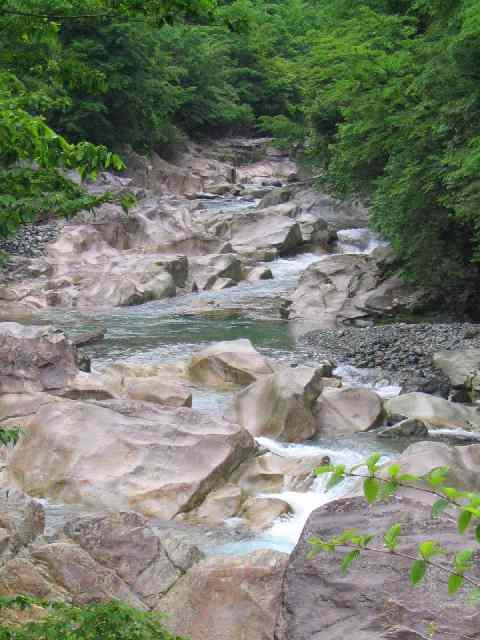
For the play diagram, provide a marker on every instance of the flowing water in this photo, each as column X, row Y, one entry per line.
column 173, row 329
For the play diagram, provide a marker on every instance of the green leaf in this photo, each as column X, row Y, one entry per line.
column 393, row 470
column 439, row 507
column 408, row 477
column 372, row 462
column 437, row 476
column 333, row 481
column 390, row 539
column 328, row 468
column 463, row 560
column 371, row 489
column 455, row 581
column 464, row 520
column 417, row 571
column 477, row 533
column 348, row 559
column 430, row 548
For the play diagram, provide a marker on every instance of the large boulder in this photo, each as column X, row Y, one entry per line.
column 266, row 230
column 208, row 270
column 337, row 214
column 100, row 557
column 122, row 455
column 461, row 367
column 463, row 462
column 346, row 411
column 17, row 409
column 229, row 363
column 281, row 405
column 273, row 473
column 375, row 600
column 331, row 291
column 234, row 598
column 436, row 412
column 34, row 358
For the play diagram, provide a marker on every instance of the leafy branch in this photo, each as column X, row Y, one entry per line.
column 377, row 487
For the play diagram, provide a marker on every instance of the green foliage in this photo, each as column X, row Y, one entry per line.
column 467, row 504
column 100, row 621
column 10, row 437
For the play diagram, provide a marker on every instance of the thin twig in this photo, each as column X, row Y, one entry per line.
column 408, row 556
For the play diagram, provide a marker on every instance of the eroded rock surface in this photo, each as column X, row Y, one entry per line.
column 375, row 600
column 127, row 456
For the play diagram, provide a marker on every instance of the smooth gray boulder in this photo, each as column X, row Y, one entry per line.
column 347, row 411
column 436, row 412
column 461, row 367
column 281, row 405
column 228, row 363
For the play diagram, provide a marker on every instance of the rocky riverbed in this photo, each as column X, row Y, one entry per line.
column 175, row 471
column 400, row 352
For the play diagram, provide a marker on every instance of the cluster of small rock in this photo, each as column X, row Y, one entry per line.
column 402, row 350
column 30, row 240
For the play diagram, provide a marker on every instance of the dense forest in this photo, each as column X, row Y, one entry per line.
column 380, row 96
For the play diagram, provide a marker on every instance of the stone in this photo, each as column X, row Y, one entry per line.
column 21, row 517
column 375, row 600
column 409, row 428
column 156, row 391
column 228, row 363
column 331, row 290
column 260, row 273
column 207, row 270
column 261, row 512
column 218, row 506
column 265, row 230
column 280, row 405
column 17, row 409
column 100, row 557
column 125, row 455
column 347, row 410
column 272, row 473
column 436, row 412
column 227, row 597
column 463, row 461
column 91, row 337
column 34, row 359
column 461, row 367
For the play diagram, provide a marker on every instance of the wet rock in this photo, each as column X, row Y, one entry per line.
column 208, row 270
column 272, row 473
column 260, row 273
column 261, row 512
column 87, row 339
column 461, row 367
column 22, row 519
column 121, row 455
column 280, row 405
column 264, row 231
column 436, row 412
column 346, row 411
column 463, row 463
column 228, row 363
column 227, row 597
column 34, row 358
column 375, row 600
column 218, row 506
column 409, row 428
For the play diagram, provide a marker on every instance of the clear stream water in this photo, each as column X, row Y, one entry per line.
column 173, row 329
